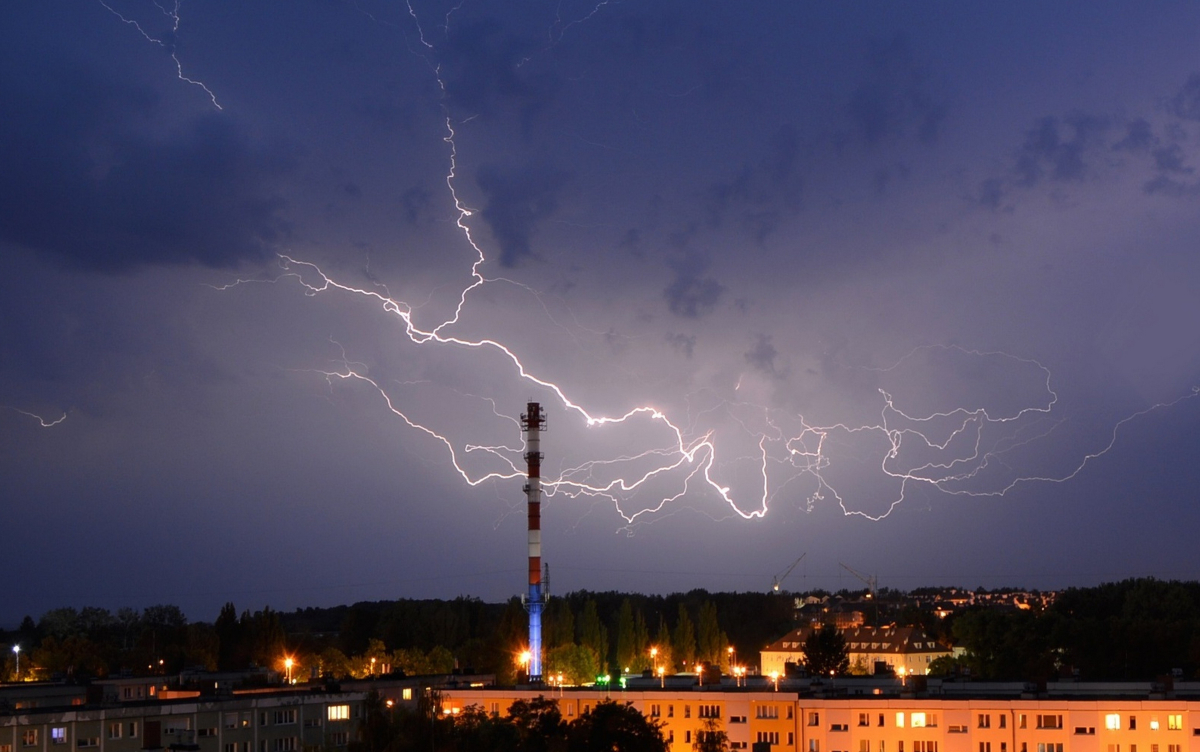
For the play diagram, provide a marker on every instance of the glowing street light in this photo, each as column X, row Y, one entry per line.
column 560, row 684
column 288, row 663
column 524, row 660
column 17, row 653
column 730, row 652
column 372, row 667
column 662, row 681
column 654, row 658
column 775, row 679
column 700, row 672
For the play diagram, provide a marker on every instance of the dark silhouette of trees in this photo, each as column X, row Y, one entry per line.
column 615, row 726
column 711, row 738
column 825, row 652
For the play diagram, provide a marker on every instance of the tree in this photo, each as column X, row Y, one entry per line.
column 641, row 641
column 626, row 639
column 558, row 625
column 711, row 738
column 615, row 726
column 663, row 643
column 576, row 663
column 825, row 652
column 710, row 640
column 540, row 726
column 683, row 642
column 230, row 655
column 593, row 635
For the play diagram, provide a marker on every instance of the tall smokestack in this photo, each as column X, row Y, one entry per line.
column 533, row 421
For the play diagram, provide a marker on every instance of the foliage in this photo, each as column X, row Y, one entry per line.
column 684, row 639
column 615, row 726
column 711, row 738
column 825, row 652
column 577, row 664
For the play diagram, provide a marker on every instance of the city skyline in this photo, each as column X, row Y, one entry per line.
column 905, row 289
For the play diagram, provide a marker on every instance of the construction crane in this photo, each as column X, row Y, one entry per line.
column 778, row 579
column 872, row 582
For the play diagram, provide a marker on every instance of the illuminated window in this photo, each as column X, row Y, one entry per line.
column 406, row 693
column 1112, row 721
column 918, row 720
column 29, row 738
column 899, row 720
column 338, row 712
column 1174, row 723
column 1154, row 726
column 58, row 735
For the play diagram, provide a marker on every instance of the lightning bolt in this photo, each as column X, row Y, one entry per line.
column 44, row 423
column 173, row 15
column 957, row 451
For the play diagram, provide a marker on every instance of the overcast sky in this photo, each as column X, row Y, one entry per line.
column 908, row 287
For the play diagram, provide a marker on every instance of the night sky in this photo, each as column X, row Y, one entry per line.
column 909, row 287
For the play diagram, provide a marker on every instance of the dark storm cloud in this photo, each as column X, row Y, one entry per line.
column 1139, row 136
column 682, row 343
column 517, row 199
column 416, row 202
column 1185, row 103
column 692, row 294
column 1056, row 149
column 762, row 355
column 1166, row 186
column 80, row 180
column 760, row 195
column 895, row 97
column 483, row 70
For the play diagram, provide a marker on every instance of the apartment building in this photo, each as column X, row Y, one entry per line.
column 791, row 721
column 265, row 722
column 904, row 650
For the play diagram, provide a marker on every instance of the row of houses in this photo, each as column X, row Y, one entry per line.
column 905, row 651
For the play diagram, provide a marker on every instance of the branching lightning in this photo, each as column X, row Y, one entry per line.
column 961, row 451
column 173, row 15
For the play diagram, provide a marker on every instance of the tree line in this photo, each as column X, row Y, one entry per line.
column 1133, row 630
column 585, row 635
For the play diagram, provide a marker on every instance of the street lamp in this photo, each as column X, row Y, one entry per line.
column 662, row 682
column 372, row 668
column 700, row 672
column 730, row 651
column 524, row 660
column 560, row 683
column 654, row 658
column 775, row 679
column 288, row 663
column 17, row 653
